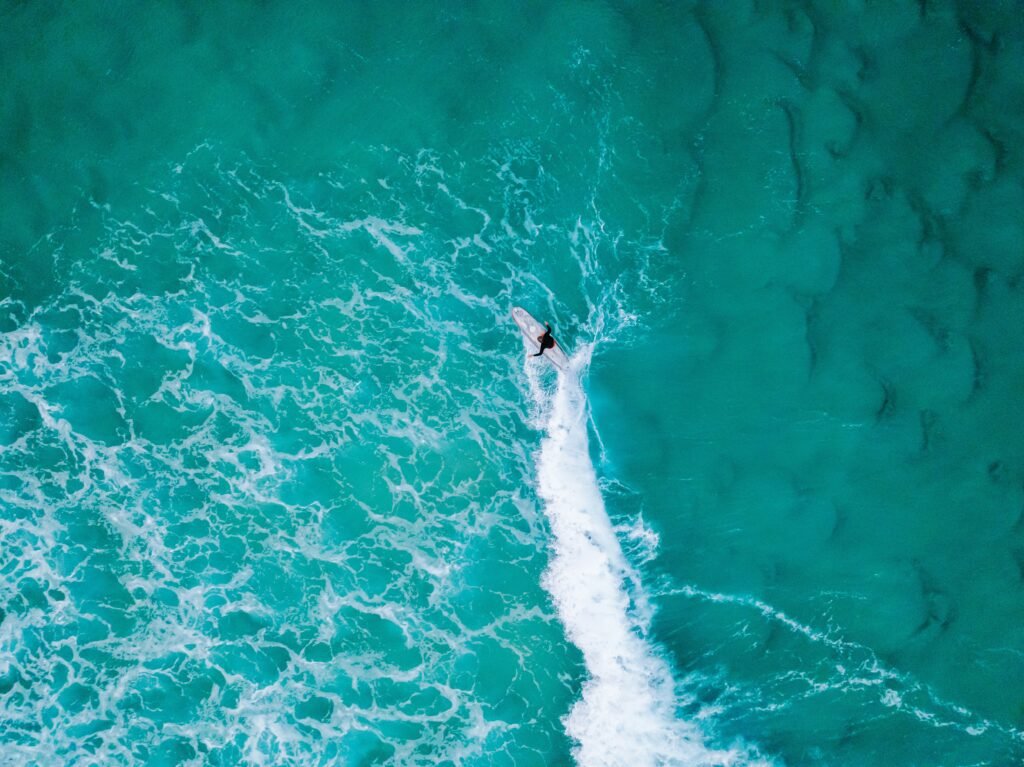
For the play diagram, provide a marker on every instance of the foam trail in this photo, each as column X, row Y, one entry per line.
column 627, row 711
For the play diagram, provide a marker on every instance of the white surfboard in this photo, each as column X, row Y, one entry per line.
column 532, row 332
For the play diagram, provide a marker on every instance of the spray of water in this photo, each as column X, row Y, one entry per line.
column 627, row 713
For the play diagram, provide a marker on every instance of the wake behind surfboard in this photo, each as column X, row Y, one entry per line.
column 532, row 331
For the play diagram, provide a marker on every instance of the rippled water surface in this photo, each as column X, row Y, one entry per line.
column 279, row 487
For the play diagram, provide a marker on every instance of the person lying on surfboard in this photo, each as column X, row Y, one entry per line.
column 547, row 341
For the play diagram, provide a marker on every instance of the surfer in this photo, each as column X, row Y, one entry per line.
column 547, row 341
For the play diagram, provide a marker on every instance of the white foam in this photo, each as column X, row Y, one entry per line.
column 627, row 713
column 862, row 668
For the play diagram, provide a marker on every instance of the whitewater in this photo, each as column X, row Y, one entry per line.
column 628, row 713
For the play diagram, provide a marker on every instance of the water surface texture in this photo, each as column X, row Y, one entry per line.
column 279, row 487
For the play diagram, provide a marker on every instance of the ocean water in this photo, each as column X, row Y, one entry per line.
column 278, row 485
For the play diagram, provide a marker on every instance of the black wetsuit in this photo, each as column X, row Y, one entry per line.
column 546, row 341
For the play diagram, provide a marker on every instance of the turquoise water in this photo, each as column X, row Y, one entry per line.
column 278, row 487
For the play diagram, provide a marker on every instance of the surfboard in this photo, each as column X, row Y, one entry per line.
column 532, row 331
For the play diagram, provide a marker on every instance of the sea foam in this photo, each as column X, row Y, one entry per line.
column 627, row 712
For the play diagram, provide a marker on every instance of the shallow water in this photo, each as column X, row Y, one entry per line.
column 277, row 486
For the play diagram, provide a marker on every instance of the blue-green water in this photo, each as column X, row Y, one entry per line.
column 278, row 487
